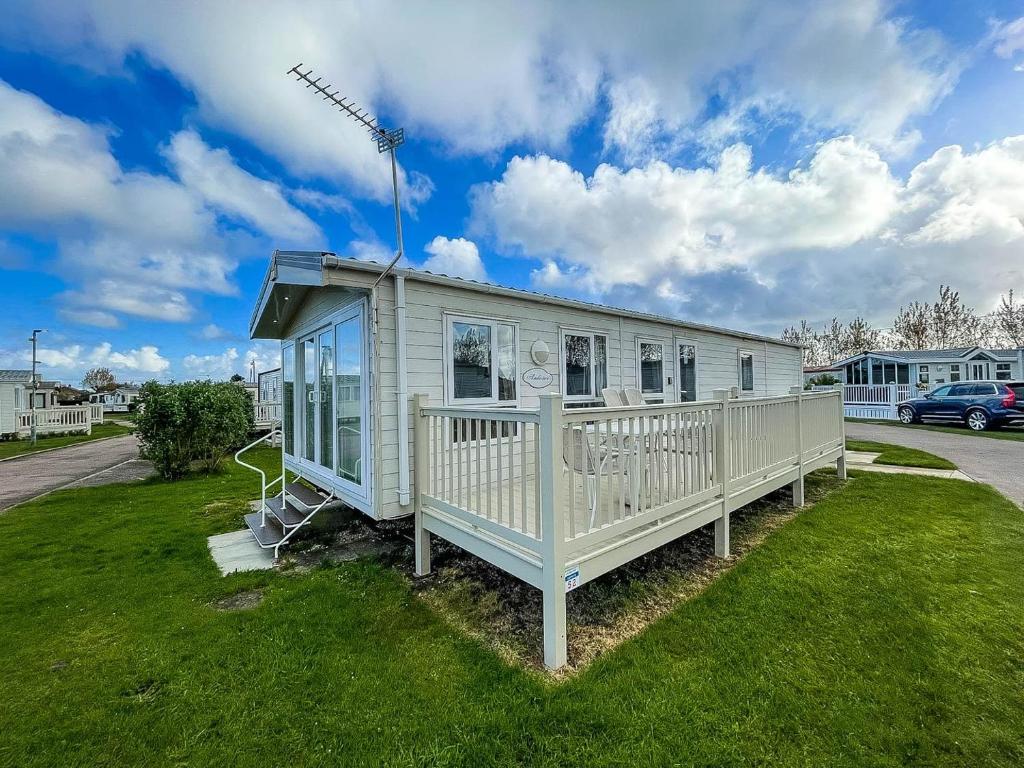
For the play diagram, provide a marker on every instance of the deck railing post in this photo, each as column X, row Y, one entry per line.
column 841, row 461
column 723, row 468
column 798, row 484
column 552, row 531
column 421, row 470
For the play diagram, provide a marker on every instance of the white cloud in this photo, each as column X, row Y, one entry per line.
column 69, row 363
column 484, row 76
column 456, row 257
column 220, row 366
column 1008, row 38
column 96, row 317
column 214, row 175
column 133, row 242
column 213, row 332
column 726, row 243
column 136, row 299
column 625, row 226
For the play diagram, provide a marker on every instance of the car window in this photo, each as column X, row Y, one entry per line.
column 984, row 389
column 961, row 390
column 1018, row 390
column 941, row 392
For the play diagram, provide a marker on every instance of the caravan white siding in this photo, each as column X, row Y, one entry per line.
column 776, row 367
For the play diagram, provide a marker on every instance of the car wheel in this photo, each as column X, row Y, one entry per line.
column 907, row 415
column 977, row 420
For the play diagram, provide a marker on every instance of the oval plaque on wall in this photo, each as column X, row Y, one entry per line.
column 537, row 378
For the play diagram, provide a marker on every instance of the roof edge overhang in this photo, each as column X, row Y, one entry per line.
column 289, row 277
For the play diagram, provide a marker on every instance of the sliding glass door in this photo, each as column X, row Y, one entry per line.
column 331, row 401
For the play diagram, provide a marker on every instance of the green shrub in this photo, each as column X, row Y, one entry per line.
column 192, row 424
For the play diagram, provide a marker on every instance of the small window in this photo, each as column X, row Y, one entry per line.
column 481, row 361
column 1003, row 371
column 747, row 371
column 954, row 372
column 584, row 365
column 922, row 374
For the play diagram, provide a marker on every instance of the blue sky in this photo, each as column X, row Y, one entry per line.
column 743, row 164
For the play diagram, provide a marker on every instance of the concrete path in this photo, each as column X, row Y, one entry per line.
column 865, row 461
column 999, row 463
column 29, row 476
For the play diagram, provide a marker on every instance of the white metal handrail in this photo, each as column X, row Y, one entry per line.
column 264, row 485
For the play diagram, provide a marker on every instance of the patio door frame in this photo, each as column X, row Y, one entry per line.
column 667, row 369
column 985, row 370
column 678, row 342
column 358, row 494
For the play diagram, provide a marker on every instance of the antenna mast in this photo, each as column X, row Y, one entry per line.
column 386, row 140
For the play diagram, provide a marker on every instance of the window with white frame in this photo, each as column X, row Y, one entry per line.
column 481, row 359
column 954, row 372
column 584, row 365
column 923, row 374
column 746, row 371
column 1003, row 371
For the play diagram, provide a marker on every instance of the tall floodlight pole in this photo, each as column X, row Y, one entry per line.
column 387, row 140
column 35, row 336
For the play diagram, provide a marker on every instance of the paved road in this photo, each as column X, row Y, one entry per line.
column 27, row 477
column 997, row 462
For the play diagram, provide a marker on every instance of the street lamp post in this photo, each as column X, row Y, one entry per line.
column 35, row 336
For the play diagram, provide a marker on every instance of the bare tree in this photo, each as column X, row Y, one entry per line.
column 99, row 379
column 1008, row 322
column 912, row 327
column 860, row 337
column 807, row 337
column 952, row 323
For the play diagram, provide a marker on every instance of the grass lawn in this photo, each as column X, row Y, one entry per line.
column 880, row 627
column 899, row 456
column 1002, row 433
column 21, row 447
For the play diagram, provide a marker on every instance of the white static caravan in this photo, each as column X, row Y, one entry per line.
column 493, row 369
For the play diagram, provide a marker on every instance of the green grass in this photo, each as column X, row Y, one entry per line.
column 899, row 456
column 882, row 627
column 24, row 446
column 1001, row 433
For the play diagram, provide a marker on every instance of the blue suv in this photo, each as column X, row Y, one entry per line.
column 979, row 404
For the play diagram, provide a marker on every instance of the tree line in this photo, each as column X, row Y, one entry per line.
column 944, row 324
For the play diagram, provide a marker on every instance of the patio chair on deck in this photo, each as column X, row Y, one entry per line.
column 582, row 455
column 634, row 396
column 612, row 398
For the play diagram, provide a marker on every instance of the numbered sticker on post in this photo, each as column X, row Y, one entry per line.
column 572, row 578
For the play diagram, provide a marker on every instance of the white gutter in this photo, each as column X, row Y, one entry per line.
column 402, row 395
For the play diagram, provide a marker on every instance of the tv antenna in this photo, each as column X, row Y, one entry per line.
column 387, row 140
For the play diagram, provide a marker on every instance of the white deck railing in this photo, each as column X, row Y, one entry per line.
column 557, row 497
column 872, row 401
column 50, row 421
column 96, row 413
column 266, row 414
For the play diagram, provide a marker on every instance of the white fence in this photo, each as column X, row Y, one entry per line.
column 558, row 498
column 59, row 420
column 266, row 414
column 96, row 413
column 872, row 401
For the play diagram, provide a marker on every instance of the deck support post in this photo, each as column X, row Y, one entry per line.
column 798, row 484
column 420, row 473
column 841, row 461
column 552, row 531
column 722, row 470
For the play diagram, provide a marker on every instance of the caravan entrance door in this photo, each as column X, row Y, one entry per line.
column 332, row 404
